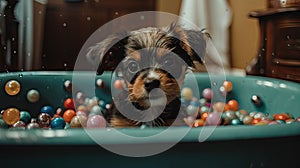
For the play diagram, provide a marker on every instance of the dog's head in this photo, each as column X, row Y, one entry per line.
column 151, row 58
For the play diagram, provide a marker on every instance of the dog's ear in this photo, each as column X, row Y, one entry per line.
column 108, row 53
column 193, row 42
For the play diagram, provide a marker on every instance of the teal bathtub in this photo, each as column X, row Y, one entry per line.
column 226, row 146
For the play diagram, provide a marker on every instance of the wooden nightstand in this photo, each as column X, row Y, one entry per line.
column 279, row 51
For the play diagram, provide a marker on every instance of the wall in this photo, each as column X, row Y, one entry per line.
column 244, row 31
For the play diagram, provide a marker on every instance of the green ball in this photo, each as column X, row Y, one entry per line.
column 3, row 124
column 236, row 122
column 25, row 117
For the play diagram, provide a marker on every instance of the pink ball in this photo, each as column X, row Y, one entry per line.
column 213, row 118
column 96, row 121
column 118, row 84
column 207, row 93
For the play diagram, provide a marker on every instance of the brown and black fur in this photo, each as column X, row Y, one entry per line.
column 149, row 45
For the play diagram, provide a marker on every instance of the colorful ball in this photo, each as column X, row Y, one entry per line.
column 207, row 93
column 69, row 103
column 48, row 109
column 80, row 98
column 33, row 96
column 96, row 121
column 227, row 86
column 118, row 84
column 44, row 120
column 187, row 94
column 68, row 86
column 68, row 115
column 11, row 116
column 33, row 124
column 78, row 122
column 192, row 110
column 12, row 87
column 58, row 123
column 213, row 118
column 25, row 116
column 233, row 105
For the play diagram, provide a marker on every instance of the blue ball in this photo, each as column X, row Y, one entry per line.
column 48, row 109
column 58, row 123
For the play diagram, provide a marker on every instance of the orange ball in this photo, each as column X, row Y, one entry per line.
column 69, row 103
column 219, row 106
column 198, row 123
column 233, row 105
column 204, row 116
column 11, row 116
column 227, row 85
column 255, row 121
column 281, row 116
column 118, row 84
column 68, row 115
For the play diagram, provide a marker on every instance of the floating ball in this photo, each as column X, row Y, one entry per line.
column 69, row 103
column 96, row 121
column 187, row 93
column 11, row 116
column 12, row 87
column 33, row 96
column 100, row 83
column 58, row 123
column 44, row 120
column 68, row 115
column 80, row 98
column 68, row 86
column 207, row 93
column 48, row 109
column 227, row 86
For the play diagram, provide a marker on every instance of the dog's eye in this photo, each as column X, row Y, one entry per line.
column 168, row 62
column 133, row 67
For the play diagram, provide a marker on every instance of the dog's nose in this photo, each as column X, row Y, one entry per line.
column 151, row 84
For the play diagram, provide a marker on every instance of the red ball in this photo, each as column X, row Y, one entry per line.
column 69, row 103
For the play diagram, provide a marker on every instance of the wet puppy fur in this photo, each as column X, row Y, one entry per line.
column 147, row 59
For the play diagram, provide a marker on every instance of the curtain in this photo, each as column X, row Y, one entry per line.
column 215, row 17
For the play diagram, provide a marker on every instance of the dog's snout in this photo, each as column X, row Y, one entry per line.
column 151, row 84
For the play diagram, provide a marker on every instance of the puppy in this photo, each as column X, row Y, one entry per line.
column 153, row 63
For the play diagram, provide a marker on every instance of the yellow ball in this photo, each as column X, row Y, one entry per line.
column 12, row 87
column 187, row 93
column 11, row 116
